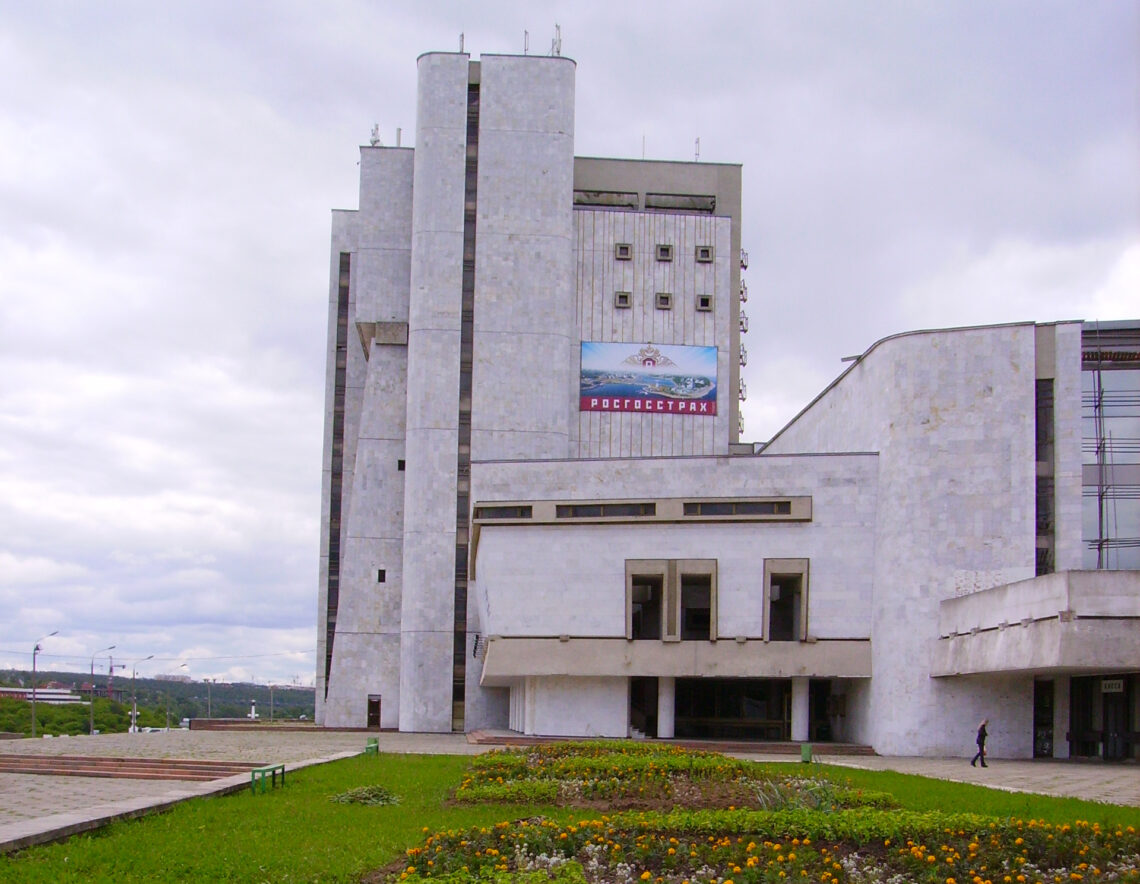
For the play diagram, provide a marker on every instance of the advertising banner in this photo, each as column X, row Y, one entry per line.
column 653, row 378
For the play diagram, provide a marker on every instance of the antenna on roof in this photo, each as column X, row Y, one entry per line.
column 399, row 132
column 374, row 140
column 526, row 42
column 461, row 41
column 643, row 145
column 697, row 151
column 556, row 43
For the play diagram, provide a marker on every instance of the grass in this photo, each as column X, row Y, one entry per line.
column 923, row 793
column 299, row 834
column 291, row 834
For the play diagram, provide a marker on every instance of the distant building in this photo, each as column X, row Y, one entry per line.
column 537, row 515
column 53, row 696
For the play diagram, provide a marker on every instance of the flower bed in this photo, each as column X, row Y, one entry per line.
column 612, row 775
column 746, row 846
column 722, row 821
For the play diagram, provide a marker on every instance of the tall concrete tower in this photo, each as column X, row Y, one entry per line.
column 451, row 337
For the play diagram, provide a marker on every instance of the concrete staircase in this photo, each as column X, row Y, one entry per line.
column 124, row 768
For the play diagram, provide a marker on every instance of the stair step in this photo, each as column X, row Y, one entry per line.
column 125, row 768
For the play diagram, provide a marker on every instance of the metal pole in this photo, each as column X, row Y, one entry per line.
column 35, row 650
column 134, row 702
column 92, row 703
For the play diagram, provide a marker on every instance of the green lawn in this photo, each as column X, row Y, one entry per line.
column 292, row 834
column 299, row 834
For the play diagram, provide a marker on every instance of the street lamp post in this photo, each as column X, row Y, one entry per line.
column 92, row 703
column 180, row 666
column 209, row 684
column 134, row 701
column 36, row 650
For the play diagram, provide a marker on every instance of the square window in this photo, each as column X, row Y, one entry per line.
column 664, row 301
column 623, row 251
column 705, row 303
column 664, row 252
column 381, row 575
column 623, row 299
column 704, row 254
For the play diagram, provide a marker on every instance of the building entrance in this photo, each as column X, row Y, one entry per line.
column 1043, row 718
column 643, row 705
column 734, row 708
column 1100, row 717
column 1116, row 730
column 374, row 710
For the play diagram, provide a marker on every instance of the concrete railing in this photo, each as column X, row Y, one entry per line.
column 1067, row 595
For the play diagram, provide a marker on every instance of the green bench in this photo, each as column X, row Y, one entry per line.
column 258, row 775
column 372, row 747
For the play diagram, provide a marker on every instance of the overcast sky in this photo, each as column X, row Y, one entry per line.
column 167, row 172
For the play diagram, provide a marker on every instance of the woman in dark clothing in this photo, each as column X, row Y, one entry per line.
column 981, row 756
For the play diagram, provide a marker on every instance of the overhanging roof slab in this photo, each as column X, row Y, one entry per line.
column 509, row 659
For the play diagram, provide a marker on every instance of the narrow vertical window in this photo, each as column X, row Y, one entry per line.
column 785, row 600
column 336, row 465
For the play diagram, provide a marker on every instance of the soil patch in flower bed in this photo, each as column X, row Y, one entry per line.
column 624, row 776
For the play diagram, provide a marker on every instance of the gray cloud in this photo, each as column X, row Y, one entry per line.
column 166, row 176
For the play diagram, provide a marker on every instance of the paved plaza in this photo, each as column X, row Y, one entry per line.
column 36, row 808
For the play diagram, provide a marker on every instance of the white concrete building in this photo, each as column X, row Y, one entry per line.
column 537, row 514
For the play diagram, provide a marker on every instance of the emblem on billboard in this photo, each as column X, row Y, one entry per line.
column 659, row 379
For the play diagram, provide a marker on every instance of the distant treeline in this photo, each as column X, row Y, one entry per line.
column 185, row 699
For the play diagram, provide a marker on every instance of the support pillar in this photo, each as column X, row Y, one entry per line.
column 666, row 706
column 800, row 709
column 1060, row 716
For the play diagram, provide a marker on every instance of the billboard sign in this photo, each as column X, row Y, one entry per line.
column 653, row 378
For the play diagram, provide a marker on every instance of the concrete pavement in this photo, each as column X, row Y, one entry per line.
column 36, row 809
column 1092, row 780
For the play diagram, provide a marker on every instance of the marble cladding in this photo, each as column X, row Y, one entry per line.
column 1067, row 446
column 372, row 486
column 432, row 394
column 344, row 237
column 363, row 665
column 952, row 416
column 523, row 341
column 526, row 573
column 600, row 707
column 425, row 681
column 384, row 234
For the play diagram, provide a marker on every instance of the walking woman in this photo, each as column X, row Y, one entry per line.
column 981, row 756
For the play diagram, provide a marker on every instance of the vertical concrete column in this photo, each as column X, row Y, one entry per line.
column 524, row 324
column 800, row 709
column 1067, row 448
column 1060, row 716
column 428, row 604
column 367, row 650
column 666, row 707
